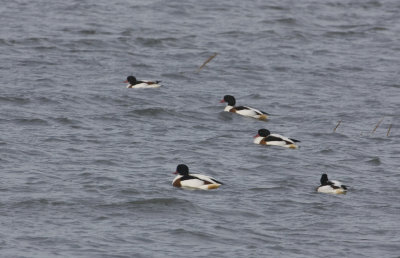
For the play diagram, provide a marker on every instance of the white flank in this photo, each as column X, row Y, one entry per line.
column 196, row 183
column 329, row 189
column 143, row 86
column 282, row 143
column 248, row 112
column 326, row 189
column 192, row 183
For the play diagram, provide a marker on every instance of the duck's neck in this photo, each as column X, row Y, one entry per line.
column 228, row 108
column 258, row 139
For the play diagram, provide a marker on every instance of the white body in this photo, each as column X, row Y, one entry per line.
column 143, row 85
column 250, row 112
column 282, row 143
column 330, row 189
column 197, row 183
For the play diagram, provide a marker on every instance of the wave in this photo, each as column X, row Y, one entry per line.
column 16, row 100
column 31, row 121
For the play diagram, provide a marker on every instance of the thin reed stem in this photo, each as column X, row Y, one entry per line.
column 377, row 125
column 339, row 122
column 388, row 132
column 208, row 60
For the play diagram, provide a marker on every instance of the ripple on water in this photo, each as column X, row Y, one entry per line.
column 150, row 204
column 154, row 112
column 150, row 42
column 14, row 100
column 65, row 121
column 376, row 161
column 31, row 121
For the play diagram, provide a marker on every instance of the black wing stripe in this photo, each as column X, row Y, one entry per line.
column 216, row 181
column 242, row 108
column 271, row 138
column 189, row 178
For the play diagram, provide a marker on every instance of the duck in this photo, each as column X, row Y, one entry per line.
column 193, row 181
column 243, row 110
column 133, row 83
column 265, row 137
column 331, row 186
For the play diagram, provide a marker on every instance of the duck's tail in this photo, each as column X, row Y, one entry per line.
column 340, row 191
column 213, row 186
column 263, row 117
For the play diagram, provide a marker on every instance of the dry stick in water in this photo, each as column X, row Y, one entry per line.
column 339, row 122
column 208, row 60
column 377, row 125
column 390, row 127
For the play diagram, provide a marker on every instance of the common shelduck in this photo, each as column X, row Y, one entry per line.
column 193, row 181
column 266, row 138
column 243, row 110
column 331, row 186
column 133, row 83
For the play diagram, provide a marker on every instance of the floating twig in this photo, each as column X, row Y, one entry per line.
column 390, row 127
column 377, row 125
column 339, row 122
column 208, row 60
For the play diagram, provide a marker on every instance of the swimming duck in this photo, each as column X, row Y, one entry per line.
column 266, row 138
column 333, row 186
column 133, row 83
column 243, row 110
column 193, row 181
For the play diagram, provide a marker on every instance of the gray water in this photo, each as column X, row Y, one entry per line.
column 86, row 164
